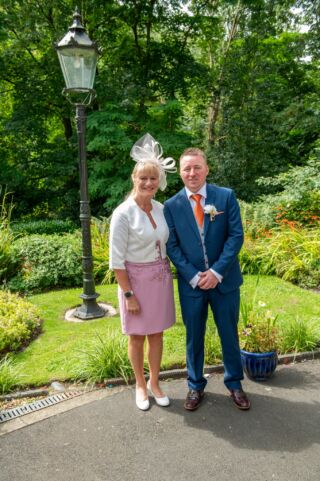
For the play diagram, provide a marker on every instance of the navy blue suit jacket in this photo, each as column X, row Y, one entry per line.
column 223, row 238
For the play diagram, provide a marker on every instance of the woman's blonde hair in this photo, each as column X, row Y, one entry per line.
column 148, row 167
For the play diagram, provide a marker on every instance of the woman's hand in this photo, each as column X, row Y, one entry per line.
column 133, row 305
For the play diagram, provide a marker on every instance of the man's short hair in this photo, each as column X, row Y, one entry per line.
column 193, row 151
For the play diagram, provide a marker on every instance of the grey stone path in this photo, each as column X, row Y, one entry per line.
column 108, row 439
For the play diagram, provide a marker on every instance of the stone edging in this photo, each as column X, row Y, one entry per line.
column 181, row 373
column 170, row 374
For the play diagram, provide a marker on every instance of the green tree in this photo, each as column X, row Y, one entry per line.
column 261, row 98
column 38, row 160
column 234, row 77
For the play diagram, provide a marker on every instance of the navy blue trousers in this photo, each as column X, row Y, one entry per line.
column 225, row 309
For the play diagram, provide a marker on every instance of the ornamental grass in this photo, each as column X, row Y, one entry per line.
column 290, row 252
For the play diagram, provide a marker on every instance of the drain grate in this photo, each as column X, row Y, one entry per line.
column 36, row 405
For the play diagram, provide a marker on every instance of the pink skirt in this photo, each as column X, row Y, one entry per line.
column 152, row 285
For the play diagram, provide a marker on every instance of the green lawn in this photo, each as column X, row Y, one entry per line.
column 54, row 354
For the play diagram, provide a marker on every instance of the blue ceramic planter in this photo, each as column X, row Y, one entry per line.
column 259, row 366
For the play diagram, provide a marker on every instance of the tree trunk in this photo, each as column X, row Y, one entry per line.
column 67, row 127
column 215, row 104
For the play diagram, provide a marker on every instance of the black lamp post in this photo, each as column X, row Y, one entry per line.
column 78, row 57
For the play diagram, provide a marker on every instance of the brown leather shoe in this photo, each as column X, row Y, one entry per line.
column 193, row 399
column 240, row 399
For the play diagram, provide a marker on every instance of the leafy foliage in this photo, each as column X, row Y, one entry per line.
column 38, row 161
column 264, row 125
column 296, row 205
column 47, row 261
column 299, row 198
column 111, row 164
column 19, row 320
column 7, row 264
column 290, row 252
column 100, row 248
column 43, row 260
column 40, row 227
column 236, row 78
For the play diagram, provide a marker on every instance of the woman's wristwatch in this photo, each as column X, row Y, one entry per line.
column 128, row 294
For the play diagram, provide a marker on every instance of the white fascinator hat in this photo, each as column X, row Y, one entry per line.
column 147, row 149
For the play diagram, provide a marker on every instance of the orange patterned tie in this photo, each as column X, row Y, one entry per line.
column 198, row 210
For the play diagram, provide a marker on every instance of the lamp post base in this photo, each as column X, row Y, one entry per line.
column 90, row 309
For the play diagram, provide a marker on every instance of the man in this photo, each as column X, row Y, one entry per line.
column 204, row 248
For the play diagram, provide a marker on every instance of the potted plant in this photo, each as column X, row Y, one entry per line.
column 259, row 340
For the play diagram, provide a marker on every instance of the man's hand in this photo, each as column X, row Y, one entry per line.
column 207, row 280
column 133, row 305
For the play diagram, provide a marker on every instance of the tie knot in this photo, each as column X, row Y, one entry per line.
column 196, row 197
column 197, row 209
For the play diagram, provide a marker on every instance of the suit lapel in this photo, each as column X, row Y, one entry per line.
column 189, row 214
column 211, row 198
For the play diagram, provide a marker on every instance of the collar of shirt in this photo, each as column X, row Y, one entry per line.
column 202, row 191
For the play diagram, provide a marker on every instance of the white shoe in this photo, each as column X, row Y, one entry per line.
column 161, row 401
column 142, row 404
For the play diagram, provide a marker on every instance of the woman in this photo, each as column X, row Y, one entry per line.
column 138, row 235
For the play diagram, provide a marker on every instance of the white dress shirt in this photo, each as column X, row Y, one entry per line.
column 132, row 236
column 203, row 192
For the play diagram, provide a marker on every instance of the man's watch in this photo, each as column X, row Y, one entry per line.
column 128, row 294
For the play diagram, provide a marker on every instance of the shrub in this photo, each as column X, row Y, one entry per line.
column 295, row 255
column 257, row 218
column 100, row 248
column 104, row 358
column 290, row 252
column 46, row 262
column 300, row 196
column 19, row 321
column 50, row 226
column 10, row 376
column 248, row 257
column 298, row 201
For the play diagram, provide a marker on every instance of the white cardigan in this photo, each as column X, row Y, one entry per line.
column 132, row 236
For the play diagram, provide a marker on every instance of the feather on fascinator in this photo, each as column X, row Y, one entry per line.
column 147, row 149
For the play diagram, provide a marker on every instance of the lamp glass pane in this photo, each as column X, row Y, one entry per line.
column 78, row 67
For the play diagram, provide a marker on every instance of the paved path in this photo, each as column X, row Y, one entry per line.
column 108, row 439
